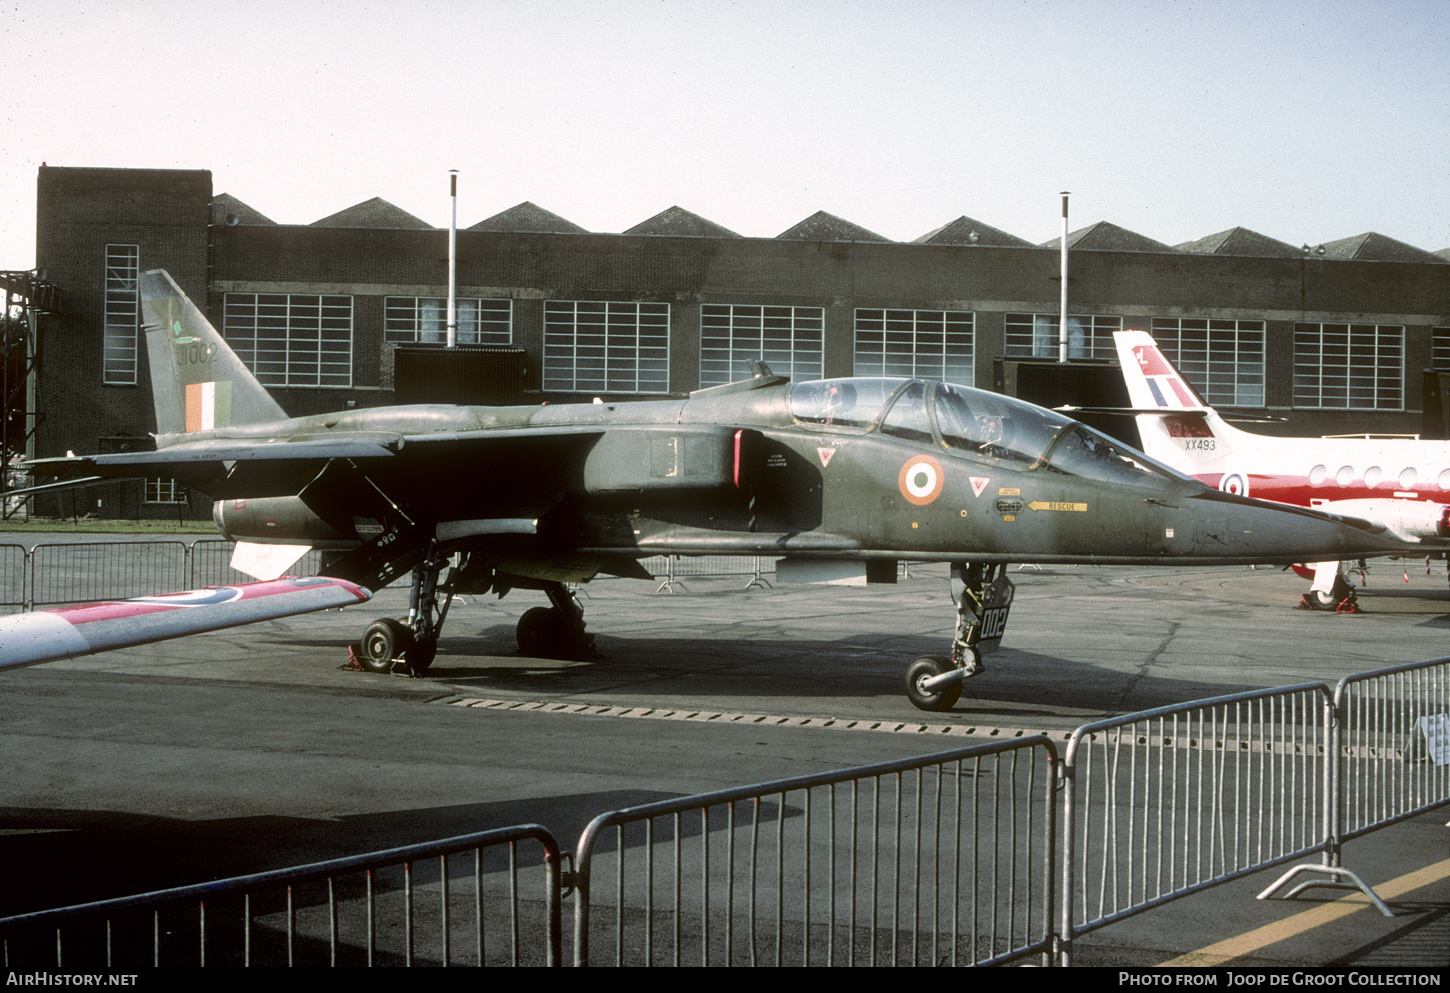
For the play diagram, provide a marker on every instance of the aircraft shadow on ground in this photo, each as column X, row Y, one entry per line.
column 1016, row 684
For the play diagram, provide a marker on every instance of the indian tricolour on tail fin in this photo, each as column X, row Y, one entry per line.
column 1177, row 428
column 197, row 381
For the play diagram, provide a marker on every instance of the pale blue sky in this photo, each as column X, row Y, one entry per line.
column 1305, row 121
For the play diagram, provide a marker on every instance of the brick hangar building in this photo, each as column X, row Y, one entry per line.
column 1333, row 338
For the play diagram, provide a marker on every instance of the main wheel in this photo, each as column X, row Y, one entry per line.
column 535, row 632
column 383, row 641
column 923, row 699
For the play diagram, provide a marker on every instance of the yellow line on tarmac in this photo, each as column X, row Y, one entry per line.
column 1225, row 951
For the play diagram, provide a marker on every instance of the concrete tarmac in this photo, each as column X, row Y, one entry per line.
column 249, row 749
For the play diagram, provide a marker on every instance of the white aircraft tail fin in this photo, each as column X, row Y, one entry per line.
column 1152, row 380
column 197, row 381
column 1188, row 434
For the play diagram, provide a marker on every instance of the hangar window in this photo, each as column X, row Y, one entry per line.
column 606, row 346
column 1224, row 360
column 1034, row 336
column 164, row 491
column 920, row 344
column 788, row 339
column 119, row 339
column 424, row 320
column 292, row 339
column 1440, row 348
column 1349, row 366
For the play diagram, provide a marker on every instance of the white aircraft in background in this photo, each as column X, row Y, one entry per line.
column 1401, row 484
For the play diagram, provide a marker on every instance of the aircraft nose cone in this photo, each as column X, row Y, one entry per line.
column 1277, row 533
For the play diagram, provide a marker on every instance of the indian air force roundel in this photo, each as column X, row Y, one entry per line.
column 921, row 479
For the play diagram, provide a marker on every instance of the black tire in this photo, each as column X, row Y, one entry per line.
column 920, row 671
column 536, row 632
column 383, row 641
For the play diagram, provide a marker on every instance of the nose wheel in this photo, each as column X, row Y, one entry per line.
column 924, row 673
column 983, row 596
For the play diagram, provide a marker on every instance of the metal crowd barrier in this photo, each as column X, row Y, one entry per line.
column 458, row 901
column 940, row 860
column 1394, row 753
column 1168, row 802
column 671, row 569
column 52, row 573
column 1390, row 762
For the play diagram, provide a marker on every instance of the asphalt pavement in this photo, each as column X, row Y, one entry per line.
column 255, row 748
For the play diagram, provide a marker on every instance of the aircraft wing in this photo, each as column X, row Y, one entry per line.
column 70, row 632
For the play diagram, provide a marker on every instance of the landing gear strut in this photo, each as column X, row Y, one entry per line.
column 414, row 641
column 983, row 595
column 1331, row 591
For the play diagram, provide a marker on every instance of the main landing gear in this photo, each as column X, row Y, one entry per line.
column 1330, row 591
column 983, row 596
column 407, row 646
column 556, row 631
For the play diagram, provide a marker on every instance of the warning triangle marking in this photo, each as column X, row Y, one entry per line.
column 979, row 483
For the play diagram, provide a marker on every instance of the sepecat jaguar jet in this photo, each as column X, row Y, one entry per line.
column 865, row 471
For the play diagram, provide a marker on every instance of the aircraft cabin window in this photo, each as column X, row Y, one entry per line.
column 841, row 404
column 985, row 425
column 907, row 418
column 1081, row 451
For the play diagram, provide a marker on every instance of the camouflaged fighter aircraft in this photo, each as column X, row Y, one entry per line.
column 868, row 471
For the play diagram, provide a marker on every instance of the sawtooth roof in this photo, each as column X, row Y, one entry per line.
column 1372, row 247
column 530, row 218
column 1242, row 242
column 681, row 223
column 374, row 213
column 965, row 231
column 1106, row 236
column 224, row 205
column 822, row 226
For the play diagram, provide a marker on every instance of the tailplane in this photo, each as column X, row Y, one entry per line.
column 197, row 381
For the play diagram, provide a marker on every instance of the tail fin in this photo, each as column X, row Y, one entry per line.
column 1152, row 380
column 1188, row 434
column 197, row 381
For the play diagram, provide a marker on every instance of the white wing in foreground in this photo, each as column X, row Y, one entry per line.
column 70, row 632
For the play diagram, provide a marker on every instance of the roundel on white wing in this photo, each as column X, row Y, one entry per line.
column 1235, row 484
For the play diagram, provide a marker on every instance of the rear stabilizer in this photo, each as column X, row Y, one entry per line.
column 197, row 381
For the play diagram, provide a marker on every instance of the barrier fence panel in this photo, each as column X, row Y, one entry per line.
column 463, row 901
column 671, row 569
column 945, row 859
column 12, row 576
column 110, row 570
column 1394, row 754
column 1168, row 802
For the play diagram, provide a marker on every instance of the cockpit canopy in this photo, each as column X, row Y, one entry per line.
column 968, row 423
